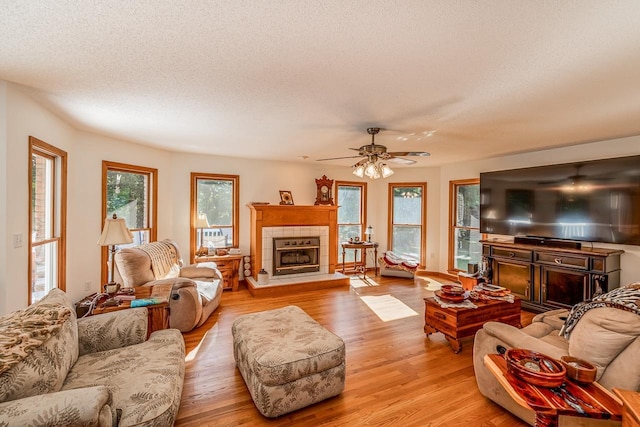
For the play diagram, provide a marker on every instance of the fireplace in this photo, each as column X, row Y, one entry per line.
column 299, row 222
column 293, row 255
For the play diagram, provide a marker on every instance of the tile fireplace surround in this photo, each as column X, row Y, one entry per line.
column 295, row 233
column 269, row 221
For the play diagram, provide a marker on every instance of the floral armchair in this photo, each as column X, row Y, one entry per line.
column 96, row 371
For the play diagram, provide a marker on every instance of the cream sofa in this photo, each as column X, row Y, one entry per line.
column 196, row 288
column 95, row 371
column 607, row 337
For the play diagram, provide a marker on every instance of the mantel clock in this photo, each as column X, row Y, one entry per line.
column 324, row 195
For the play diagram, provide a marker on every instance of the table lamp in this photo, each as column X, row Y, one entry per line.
column 115, row 232
column 368, row 232
column 202, row 222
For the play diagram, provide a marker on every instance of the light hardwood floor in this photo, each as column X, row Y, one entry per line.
column 396, row 376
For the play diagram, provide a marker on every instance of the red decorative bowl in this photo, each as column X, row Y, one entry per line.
column 579, row 370
column 449, row 297
column 452, row 289
column 535, row 368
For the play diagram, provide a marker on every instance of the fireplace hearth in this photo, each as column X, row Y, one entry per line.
column 293, row 255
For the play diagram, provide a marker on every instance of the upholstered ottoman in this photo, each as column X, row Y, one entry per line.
column 287, row 359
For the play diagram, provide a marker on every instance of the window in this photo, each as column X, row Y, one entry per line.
column 214, row 211
column 407, row 214
column 47, row 218
column 464, row 224
column 351, row 198
column 130, row 192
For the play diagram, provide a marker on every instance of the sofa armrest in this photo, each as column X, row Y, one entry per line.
column 202, row 270
column 516, row 338
column 555, row 318
column 185, row 306
column 88, row 406
column 111, row 330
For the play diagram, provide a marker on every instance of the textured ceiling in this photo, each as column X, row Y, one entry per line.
column 283, row 79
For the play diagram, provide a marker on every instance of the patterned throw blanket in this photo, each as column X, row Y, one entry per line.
column 625, row 298
column 23, row 331
column 393, row 260
column 164, row 260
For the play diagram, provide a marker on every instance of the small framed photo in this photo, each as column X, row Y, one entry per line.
column 286, row 198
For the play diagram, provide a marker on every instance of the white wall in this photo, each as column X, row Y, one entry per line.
column 5, row 241
column 259, row 181
column 84, row 222
column 24, row 118
column 597, row 150
column 378, row 208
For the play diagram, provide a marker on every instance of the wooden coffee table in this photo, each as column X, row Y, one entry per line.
column 458, row 323
column 570, row 399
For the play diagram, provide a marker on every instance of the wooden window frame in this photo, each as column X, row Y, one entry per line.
column 423, row 216
column 193, row 231
column 453, row 206
column 152, row 205
column 363, row 213
column 59, row 214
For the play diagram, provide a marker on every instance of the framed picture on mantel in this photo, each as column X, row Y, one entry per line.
column 286, row 198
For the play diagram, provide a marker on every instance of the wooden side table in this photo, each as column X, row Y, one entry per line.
column 571, row 399
column 229, row 266
column 361, row 267
column 157, row 314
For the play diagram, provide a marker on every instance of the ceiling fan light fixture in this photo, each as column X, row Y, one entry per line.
column 371, row 170
column 373, row 155
column 385, row 170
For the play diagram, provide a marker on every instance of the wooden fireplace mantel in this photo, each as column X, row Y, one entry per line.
column 290, row 216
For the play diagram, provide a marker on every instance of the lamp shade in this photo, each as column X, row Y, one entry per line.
column 115, row 232
column 202, row 221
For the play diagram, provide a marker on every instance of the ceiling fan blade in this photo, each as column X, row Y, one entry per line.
column 401, row 160
column 338, row 158
column 410, row 153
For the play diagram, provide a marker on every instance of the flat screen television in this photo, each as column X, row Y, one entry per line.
column 595, row 201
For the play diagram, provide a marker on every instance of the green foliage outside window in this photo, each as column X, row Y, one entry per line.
column 215, row 199
column 467, row 247
column 349, row 217
column 407, row 221
column 127, row 197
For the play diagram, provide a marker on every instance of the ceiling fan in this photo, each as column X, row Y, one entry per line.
column 374, row 152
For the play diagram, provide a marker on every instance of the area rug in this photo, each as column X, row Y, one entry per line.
column 432, row 285
column 387, row 307
column 357, row 282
